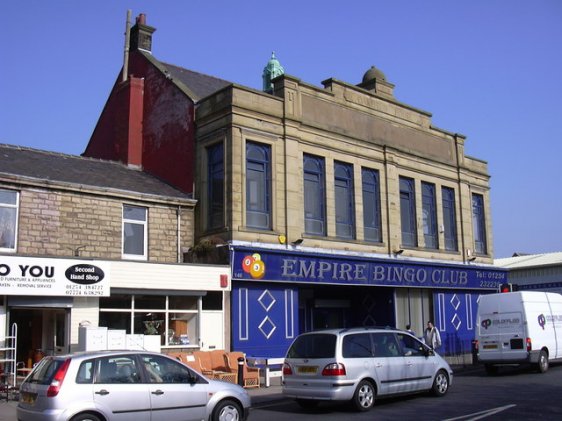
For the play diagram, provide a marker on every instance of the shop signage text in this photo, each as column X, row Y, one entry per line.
column 356, row 271
column 54, row 277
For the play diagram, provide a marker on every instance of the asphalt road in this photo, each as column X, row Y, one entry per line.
column 514, row 394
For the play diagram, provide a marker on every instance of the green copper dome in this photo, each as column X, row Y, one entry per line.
column 270, row 72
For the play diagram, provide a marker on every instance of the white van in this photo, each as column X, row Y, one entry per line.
column 519, row 327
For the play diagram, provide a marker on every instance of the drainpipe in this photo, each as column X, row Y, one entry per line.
column 125, row 75
column 463, row 245
column 178, row 235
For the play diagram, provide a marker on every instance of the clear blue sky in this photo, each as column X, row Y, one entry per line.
column 489, row 69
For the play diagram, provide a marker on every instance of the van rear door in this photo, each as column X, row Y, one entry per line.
column 501, row 336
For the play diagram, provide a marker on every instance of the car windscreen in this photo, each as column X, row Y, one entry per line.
column 317, row 345
column 45, row 370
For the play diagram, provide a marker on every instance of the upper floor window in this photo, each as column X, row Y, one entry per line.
column 408, row 212
column 449, row 218
column 371, row 205
column 135, row 223
column 345, row 208
column 429, row 210
column 215, row 192
column 258, row 185
column 478, row 224
column 314, row 196
column 8, row 219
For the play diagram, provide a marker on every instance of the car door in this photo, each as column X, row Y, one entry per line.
column 174, row 395
column 389, row 364
column 419, row 361
column 118, row 388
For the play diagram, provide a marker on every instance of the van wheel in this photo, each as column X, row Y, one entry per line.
column 440, row 384
column 364, row 397
column 307, row 404
column 542, row 365
column 491, row 369
column 85, row 417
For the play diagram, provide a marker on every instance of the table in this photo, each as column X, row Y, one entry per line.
column 272, row 366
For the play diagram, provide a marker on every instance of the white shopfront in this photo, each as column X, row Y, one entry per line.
column 50, row 298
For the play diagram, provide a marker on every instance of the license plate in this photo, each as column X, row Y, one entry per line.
column 492, row 346
column 28, row 398
column 307, row 369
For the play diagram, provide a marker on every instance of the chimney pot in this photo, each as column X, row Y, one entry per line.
column 141, row 18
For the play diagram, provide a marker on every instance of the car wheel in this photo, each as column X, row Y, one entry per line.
column 364, row 397
column 85, row 417
column 307, row 403
column 491, row 369
column 542, row 364
column 440, row 384
column 227, row 410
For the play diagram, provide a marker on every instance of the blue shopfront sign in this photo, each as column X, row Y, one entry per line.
column 284, row 266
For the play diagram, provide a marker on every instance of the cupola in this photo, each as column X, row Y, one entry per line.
column 272, row 70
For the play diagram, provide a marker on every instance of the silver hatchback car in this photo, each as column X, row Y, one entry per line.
column 127, row 386
column 360, row 364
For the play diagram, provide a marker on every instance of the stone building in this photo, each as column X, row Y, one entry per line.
column 92, row 242
column 340, row 205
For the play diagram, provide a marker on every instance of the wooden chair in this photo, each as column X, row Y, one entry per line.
column 251, row 374
column 188, row 359
column 207, row 369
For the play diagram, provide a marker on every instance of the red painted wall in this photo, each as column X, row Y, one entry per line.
column 148, row 121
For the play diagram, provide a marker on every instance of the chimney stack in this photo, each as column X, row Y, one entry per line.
column 141, row 35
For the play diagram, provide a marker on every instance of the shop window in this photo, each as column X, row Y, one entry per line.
column 134, row 232
column 212, row 301
column 345, row 208
column 9, row 201
column 258, row 186
column 215, row 191
column 429, row 213
column 449, row 219
column 174, row 318
column 408, row 212
column 314, row 196
column 478, row 224
column 371, row 205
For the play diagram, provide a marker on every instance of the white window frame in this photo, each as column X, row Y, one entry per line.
column 144, row 224
column 16, row 207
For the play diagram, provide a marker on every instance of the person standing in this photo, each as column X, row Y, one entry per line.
column 409, row 330
column 432, row 336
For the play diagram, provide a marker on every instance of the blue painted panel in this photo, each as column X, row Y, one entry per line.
column 264, row 318
column 455, row 317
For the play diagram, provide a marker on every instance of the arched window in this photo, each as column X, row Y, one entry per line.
column 258, row 185
column 314, row 196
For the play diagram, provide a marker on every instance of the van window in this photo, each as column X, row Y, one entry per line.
column 386, row 345
column 357, row 346
column 317, row 345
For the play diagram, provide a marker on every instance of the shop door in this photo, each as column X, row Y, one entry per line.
column 45, row 330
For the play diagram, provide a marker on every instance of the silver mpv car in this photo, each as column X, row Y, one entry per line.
column 360, row 364
column 128, row 386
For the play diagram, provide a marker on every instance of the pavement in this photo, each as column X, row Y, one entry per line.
column 260, row 396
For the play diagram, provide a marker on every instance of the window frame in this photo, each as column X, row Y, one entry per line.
column 479, row 224
column 5, row 209
column 429, row 216
column 344, row 208
column 215, row 176
column 135, row 222
column 407, row 195
column 314, row 186
column 449, row 218
column 262, row 168
column 371, row 189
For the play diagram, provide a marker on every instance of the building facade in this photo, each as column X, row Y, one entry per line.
column 542, row 272
column 96, row 243
column 340, row 205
